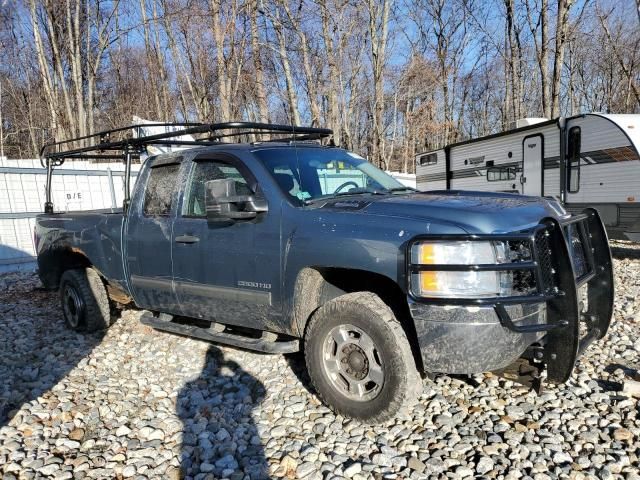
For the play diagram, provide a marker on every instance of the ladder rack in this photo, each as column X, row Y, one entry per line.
column 119, row 143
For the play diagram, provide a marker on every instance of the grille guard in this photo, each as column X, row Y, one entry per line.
column 563, row 342
column 565, row 345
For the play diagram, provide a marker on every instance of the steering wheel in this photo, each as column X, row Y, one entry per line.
column 346, row 184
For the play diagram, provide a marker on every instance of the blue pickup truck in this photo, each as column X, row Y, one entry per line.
column 293, row 244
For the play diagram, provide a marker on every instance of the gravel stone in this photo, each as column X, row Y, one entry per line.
column 305, row 469
column 352, row 470
column 132, row 402
column 123, row 431
column 485, row 464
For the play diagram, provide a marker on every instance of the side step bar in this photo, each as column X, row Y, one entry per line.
column 266, row 344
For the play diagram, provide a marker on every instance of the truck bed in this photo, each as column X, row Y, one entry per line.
column 68, row 237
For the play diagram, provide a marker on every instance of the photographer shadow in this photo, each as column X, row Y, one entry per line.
column 220, row 438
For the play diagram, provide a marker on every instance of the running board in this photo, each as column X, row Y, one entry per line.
column 266, row 344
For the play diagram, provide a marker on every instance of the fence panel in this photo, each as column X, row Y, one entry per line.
column 77, row 185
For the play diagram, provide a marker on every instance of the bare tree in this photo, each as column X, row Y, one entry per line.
column 391, row 78
column 562, row 26
column 378, row 11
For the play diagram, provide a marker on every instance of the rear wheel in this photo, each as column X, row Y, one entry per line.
column 359, row 358
column 84, row 299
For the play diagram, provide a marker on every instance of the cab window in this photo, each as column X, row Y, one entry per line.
column 160, row 189
column 202, row 172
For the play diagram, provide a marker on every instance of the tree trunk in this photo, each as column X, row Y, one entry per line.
column 378, row 32
column 562, row 27
column 221, row 63
column 333, row 87
column 261, row 95
column 294, row 114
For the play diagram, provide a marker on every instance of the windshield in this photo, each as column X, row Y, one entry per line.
column 309, row 174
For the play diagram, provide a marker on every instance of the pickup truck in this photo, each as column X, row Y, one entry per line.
column 294, row 246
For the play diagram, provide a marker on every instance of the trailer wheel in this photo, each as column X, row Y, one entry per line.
column 359, row 359
column 85, row 303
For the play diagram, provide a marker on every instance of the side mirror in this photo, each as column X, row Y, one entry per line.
column 223, row 203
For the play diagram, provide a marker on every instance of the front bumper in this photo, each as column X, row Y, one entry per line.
column 476, row 335
column 465, row 340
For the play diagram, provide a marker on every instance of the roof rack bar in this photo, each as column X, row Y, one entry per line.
column 53, row 154
column 266, row 132
column 107, row 133
column 191, row 128
column 95, row 157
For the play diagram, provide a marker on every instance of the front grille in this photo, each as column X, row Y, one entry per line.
column 524, row 281
column 543, row 251
column 577, row 247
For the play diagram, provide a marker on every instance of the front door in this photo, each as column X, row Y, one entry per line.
column 228, row 272
column 532, row 163
column 148, row 237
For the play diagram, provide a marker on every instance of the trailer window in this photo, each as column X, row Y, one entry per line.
column 428, row 159
column 159, row 193
column 497, row 174
column 573, row 165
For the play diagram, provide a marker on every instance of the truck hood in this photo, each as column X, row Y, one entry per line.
column 475, row 212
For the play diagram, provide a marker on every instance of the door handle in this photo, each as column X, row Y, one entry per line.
column 187, row 239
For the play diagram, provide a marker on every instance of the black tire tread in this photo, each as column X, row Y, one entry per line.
column 91, row 287
column 371, row 302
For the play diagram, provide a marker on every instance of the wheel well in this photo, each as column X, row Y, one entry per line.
column 54, row 263
column 317, row 285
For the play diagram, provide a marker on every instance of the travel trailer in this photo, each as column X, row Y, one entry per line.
column 600, row 165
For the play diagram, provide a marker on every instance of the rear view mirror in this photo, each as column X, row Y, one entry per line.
column 223, row 203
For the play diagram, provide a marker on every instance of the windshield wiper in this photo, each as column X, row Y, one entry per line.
column 344, row 194
column 360, row 192
column 402, row 189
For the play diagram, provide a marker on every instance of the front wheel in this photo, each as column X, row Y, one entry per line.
column 359, row 358
column 84, row 299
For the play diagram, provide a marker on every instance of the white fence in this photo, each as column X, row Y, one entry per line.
column 77, row 185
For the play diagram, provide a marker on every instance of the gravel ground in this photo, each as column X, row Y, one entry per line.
column 138, row 403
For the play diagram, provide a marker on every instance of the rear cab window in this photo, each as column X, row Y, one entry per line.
column 160, row 190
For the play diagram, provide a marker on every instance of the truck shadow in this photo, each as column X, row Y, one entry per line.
column 220, row 437
column 37, row 350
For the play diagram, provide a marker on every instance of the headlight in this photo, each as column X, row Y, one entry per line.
column 460, row 283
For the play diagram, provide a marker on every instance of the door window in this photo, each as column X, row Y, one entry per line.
column 573, row 166
column 202, row 172
column 160, row 190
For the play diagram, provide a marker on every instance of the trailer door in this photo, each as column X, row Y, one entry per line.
column 532, row 163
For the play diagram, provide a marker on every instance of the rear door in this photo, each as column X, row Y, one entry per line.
column 149, row 236
column 227, row 272
column 532, row 162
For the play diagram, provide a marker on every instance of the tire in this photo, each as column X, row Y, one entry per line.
column 359, row 359
column 84, row 299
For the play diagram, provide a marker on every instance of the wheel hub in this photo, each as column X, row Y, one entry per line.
column 355, row 362
column 73, row 306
